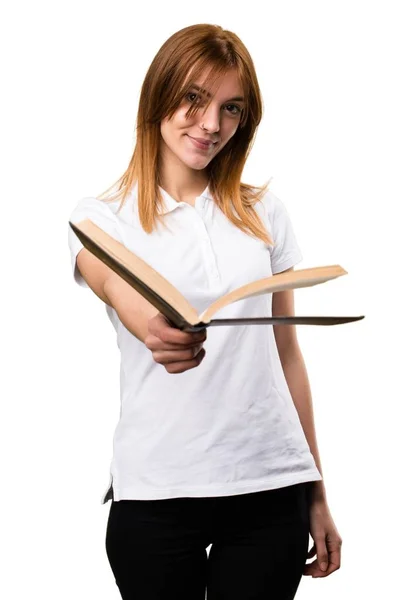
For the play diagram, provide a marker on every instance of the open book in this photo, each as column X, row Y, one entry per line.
column 174, row 306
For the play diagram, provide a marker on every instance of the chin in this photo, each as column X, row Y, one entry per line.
column 198, row 164
column 195, row 167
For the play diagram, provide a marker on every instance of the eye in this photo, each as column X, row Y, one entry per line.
column 238, row 109
column 192, row 94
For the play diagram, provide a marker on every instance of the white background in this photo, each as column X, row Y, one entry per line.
column 335, row 137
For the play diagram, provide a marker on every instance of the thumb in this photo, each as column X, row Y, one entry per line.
column 322, row 556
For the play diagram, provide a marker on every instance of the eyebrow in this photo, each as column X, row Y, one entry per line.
column 196, row 87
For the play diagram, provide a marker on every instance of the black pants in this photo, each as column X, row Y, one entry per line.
column 157, row 548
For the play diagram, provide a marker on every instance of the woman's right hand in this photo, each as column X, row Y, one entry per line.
column 177, row 350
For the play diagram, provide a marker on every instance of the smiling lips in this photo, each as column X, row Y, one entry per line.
column 201, row 143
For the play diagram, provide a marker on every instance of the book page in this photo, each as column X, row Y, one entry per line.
column 276, row 283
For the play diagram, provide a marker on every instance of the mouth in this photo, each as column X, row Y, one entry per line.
column 201, row 145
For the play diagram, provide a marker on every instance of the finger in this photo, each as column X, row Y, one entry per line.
column 165, row 357
column 171, row 335
column 154, row 343
column 334, row 559
column 161, row 327
column 310, row 568
column 318, row 567
column 314, row 570
column 180, row 367
column 322, row 553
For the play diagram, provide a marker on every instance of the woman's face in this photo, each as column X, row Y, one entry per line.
column 220, row 122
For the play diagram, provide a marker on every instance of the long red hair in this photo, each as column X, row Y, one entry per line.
column 193, row 50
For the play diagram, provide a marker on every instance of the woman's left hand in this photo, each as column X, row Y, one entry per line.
column 327, row 541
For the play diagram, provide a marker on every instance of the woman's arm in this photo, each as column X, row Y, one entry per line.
column 296, row 376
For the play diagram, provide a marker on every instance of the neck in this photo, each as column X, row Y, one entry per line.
column 180, row 182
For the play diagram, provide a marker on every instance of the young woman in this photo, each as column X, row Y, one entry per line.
column 215, row 443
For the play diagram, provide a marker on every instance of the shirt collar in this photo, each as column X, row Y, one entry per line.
column 171, row 204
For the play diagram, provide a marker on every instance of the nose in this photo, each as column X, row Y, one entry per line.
column 210, row 118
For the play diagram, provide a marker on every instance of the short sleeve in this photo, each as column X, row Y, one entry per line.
column 286, row 252
column 102, row 215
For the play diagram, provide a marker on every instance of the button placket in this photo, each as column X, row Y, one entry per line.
column 211, row 265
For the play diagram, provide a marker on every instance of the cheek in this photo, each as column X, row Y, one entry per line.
column 170, row 131
column 165, row 128
column 230, row 130
column 168, row 126
column 180, row 119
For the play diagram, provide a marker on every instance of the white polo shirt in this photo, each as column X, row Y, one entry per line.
column 228, row 426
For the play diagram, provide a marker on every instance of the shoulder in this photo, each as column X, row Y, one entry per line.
column 117, row 208
column 99, row 212
column 96, row 205
column 89, row 205
column 270, row 206
column 271, row 201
